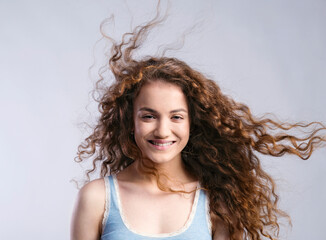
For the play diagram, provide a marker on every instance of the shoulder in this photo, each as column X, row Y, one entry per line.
column 92, row 196
column 93, row 192
column 89, row 210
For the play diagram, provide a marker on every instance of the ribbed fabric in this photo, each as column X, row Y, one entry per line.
column 197, row 227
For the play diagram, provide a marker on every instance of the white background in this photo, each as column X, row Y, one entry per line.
column 269, row 54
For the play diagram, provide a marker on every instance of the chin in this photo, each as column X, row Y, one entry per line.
column 162, row 159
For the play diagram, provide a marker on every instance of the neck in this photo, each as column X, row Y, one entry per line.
column 171, row 173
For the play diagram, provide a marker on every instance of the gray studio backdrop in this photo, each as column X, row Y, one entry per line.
column 269, row 54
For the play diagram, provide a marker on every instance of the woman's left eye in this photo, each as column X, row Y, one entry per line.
column 177, row 117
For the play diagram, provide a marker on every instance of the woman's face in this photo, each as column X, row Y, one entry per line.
column 161, row 121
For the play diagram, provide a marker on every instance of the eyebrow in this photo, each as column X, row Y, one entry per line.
column 153, row 111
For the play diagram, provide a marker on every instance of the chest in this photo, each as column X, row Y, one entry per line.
column 154, row 213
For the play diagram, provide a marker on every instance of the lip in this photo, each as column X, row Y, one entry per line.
column 163, row 144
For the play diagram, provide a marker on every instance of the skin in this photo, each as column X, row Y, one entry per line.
column 146, row 208
column 162, row 124
column 88, row 212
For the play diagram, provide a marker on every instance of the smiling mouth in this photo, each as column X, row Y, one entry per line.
column 161, row 144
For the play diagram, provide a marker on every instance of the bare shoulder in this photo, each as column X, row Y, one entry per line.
column 92, row 196
column 93, row 191
column 89, row 211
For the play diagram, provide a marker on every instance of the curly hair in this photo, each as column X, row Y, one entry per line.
column 225, row 138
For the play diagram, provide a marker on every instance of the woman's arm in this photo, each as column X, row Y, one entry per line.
column 220, row 229
column 88, row 213
column 221, row 232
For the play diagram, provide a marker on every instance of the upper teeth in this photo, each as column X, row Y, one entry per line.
column 162, row 144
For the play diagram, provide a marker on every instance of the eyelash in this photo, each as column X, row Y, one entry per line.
column 147, row 117
column 177, row 117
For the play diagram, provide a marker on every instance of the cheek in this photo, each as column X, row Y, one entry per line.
column 141, row 128
column 184, row 131
column 141, row 132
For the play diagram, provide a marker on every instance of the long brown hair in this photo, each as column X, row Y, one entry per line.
column 224, row 138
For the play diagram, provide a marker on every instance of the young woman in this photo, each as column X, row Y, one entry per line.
column 178, row 157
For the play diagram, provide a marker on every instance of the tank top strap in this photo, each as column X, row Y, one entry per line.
column 111, row 202
column 201, row 222
column 113, row 193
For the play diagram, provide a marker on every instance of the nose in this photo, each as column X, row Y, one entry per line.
column 162, row 129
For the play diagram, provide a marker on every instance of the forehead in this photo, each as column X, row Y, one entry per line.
column 160, row 95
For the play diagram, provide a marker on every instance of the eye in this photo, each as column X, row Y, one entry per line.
column 147, row 117
column 177, row 117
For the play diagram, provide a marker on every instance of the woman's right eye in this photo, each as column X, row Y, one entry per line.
column 148, row 117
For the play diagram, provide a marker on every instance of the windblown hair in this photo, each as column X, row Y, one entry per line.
column 225, row 138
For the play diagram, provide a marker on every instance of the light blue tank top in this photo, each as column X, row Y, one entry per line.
column 197, row 227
